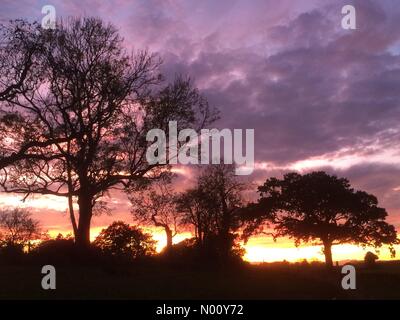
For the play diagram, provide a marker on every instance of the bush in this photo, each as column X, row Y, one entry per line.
column 125, row 241
column 370, row 258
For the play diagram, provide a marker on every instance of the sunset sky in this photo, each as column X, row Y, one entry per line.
column 318, row 96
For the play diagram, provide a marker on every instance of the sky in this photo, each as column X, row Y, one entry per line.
column 319, row 97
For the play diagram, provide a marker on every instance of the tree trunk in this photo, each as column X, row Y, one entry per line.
column 200, row 236
column 72, row 215
column 328, row 254
column 70, row 199
column 168, row 232
column 85, row 215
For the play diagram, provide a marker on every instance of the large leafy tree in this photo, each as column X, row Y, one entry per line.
column 82, row 120
column 321, row 209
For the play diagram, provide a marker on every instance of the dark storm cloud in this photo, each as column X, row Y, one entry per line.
column 323, row 90
column 287, row 70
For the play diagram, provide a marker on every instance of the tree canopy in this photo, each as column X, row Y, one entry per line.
column 121, row 239
column 322, row 209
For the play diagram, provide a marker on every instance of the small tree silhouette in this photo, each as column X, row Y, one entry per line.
column 121, row 239
column 18, row 228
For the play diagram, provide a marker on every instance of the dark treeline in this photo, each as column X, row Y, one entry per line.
column 314, row 208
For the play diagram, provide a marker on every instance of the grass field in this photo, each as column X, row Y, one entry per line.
column 269, row 281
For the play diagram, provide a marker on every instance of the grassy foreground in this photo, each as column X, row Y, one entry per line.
column 268, row 281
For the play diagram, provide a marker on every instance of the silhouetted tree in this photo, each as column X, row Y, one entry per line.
column 320, row 208
column 82, row 122
column 192, row 205
column 213, row 207
column 20, row 54
column 18, row 228
column 155, row 205
column 20, row 47
column 121, row 239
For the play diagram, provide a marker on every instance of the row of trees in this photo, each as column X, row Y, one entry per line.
column 314, row 208
column 21, row 232
column 211, row 207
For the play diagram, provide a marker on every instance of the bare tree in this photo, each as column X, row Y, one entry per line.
column 155, row 205
column 18, row 227
column 191, row 204
column 213, row 206
column 87, row 116
column 21, row 46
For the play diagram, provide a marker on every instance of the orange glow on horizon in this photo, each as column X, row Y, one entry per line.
column 157, row 234
column 52, row 213
column 264, row 249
